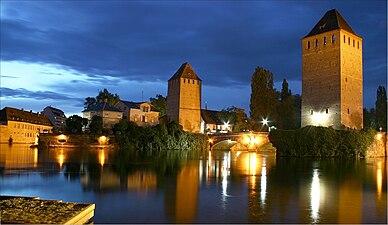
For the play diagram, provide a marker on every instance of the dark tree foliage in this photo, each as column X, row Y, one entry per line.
column 159, row 137
column 369, row 119
column 160, row 104
column 263, row 95
column 286, row 117
column 237, row 117
column 103, row 96
column 381, row 108
column 321, row 142
column 75, row 123
column 95, row 126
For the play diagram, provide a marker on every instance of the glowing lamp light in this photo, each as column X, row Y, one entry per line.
column 62, row 138
column 247, row 140
column 319, row 118
column 210, row 140
column 379, row 136
column 102, row 140
column 265, row 121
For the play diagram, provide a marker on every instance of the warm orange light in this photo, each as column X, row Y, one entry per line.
column 379, row 136
column 62, row 138
column 379, row 179
column 35, row 157
column 210, row 140
column 61, row 159
column 101, row 158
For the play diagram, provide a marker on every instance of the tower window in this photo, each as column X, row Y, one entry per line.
column 324, row 40
column 327, row 111
column 311, row 112
column 308, row 45
column 193, row 81
column 344, row 39
column 348, row 111
column 354, row 43
column 348, row 40
column 316, row 43
column 184, row 80
column 198, row 82
column 332, row 38
column 358, row 45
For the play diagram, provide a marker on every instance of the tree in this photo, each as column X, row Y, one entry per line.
column 381, row 108
column 263, row 95
column 237, row 117
column 103, row 96
column 160, row 104
column 75, row 123
column 95, row 125
column 286, row 110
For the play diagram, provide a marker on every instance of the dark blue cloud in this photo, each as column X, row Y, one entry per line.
column 147, row 41
column 38, row 95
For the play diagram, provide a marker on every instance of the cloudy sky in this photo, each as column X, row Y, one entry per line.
column 58, row 53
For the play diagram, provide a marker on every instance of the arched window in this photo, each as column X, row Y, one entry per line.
column 308, row 45
column 316, row 43
column 324, row 40
column 332, row 38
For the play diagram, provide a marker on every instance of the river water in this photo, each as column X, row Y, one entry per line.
column 200, row 187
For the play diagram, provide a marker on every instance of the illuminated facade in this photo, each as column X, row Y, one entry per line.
column 22, row 126
column 332, row 75
column 142, row 113
column 184, row 99
column 211, row 122
column 110, row 115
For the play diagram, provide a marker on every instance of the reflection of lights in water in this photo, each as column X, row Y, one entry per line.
column 209, row 166
column 101, row 158
column 252, row 164
column 61, row 159
column 35, row 157
column 315, row 196
column 263, row 183
column 379, row 179
column 225, row 172
column 200, row 170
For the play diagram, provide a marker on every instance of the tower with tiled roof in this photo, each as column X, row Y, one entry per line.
column 332, row 75
column 184, row 98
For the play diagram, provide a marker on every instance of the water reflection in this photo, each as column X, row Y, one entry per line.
column 214, row 187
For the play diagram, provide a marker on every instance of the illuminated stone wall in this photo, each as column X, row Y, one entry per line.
column 22, row 132
column 184, row 103
column 332, row 80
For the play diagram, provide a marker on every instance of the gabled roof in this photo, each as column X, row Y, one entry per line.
column 332, row 20
column 136, row 105
column 185, row 71
column 12, row 114
column 211, row 117
column 102, row 106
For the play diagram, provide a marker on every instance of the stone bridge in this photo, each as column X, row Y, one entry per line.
column 243, row 140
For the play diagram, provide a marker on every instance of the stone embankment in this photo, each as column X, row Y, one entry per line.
column 53, row 140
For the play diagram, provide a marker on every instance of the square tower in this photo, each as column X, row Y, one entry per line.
column 184, row 98
column 332, row 75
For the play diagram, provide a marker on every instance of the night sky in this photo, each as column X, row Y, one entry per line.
column 59, row 53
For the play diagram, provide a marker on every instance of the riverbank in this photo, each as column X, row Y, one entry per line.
column 322, row 142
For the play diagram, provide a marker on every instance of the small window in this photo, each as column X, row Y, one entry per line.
column 324, row 40
column 327, row 111
column 311, row 112
column 184, row 80
column 143, row 119
column 358, row 45
column 308, row 45
column 346, row 79
column 332, row 38
column 348, row 111
column 193, row 81
column 316, row 43
column 344, row 39
column 348, row 40
column 198, row 82
column 354, row 45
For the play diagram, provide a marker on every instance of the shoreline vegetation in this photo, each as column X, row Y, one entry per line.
column 160, row 137
column 322, row 142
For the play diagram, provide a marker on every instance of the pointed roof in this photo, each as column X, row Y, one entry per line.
column 332, row 20
column 185, row 71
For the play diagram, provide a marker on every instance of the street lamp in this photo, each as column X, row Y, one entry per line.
column 265, row 122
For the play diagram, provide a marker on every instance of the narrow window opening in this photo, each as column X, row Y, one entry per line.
column 324, row 40
column 358, row 45
column 193, row 81
column 311, row 112
column 308, row 45
column 344, row 39
column 354, row 43
column 316, row 43
column 184, row 80
column 348, row 40
column 332, row 38
column 348, row 111
column 327, row 111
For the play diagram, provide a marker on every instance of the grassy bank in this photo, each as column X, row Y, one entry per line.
column 321, row 142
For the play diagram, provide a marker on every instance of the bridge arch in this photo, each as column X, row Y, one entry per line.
column 243, row 140
column 223, row 145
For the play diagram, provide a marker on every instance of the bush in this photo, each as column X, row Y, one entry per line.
column 321, row 142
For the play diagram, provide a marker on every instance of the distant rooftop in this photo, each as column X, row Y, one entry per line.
column 332, row 20
column 185, row 71
column 102, row 106
column 12, row 114
column 211, row 116
column 136, row 105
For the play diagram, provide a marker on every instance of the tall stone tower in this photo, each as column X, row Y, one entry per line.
column 184, row 98
column 332, row 75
